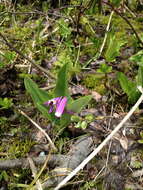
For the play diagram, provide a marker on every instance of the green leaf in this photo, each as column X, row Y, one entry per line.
column 83, row 125
column 140, row 141
column 44, row 110
column 4, row 176
column 65, row 119
column 38, row 95
column 116, row 2
column 61, row 88
column 78, row 125
column 104, row 68
column 140, row 76
column 77, row 105
column 5, row 103
column 64, row 28
column 138, row 58
column 141, row 134
column 128, row 87
column 113, row 48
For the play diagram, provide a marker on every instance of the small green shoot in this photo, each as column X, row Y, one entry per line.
column 116, row 3
column 140, row 141
column 5, row 103
column 129, row 87
column 64, row 29
column 113, row 48
column 104, row 68
column 137, row 58
column 6, row 58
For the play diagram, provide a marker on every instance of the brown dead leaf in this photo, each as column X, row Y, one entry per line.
column 79, row 89
column 96, row 96
column 124, row 142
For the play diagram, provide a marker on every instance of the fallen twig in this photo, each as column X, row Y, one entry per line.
column 63, row 163
column 54, row 160
column 99, row 148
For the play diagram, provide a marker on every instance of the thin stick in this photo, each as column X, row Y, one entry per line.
column 97, row 150
column 26, row 57
column 36, row 125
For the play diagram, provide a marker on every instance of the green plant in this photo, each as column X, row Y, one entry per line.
column 6, row 58
column 88, row 185
column 141, row 140
column 104, row 68
column 129, row 87
column 4, row 176
column 113, row 47
column 82, row 122
column 64, row 28
column 19, row 148
column 3, row 121
column 137, row 58
column 5, row 103
column 61, row 90
column 116, row 3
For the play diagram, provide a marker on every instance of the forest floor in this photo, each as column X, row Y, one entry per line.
column 90, row 53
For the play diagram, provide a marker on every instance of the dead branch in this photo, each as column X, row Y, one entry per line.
column 24, row 163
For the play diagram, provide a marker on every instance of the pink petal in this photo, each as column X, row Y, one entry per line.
column 60, row 107
column 51, row 108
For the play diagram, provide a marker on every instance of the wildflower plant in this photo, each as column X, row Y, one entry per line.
column 58, row 107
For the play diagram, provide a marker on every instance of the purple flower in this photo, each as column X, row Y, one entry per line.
column 58, row 103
